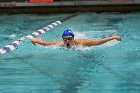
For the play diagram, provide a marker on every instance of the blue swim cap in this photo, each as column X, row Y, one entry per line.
column 68, row 32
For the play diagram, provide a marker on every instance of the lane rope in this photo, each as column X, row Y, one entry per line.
column 14, row 45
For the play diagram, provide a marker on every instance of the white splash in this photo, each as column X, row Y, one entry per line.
column 79, row 35
column 12, row 36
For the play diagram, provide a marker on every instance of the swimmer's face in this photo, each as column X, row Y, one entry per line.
column 68, row 41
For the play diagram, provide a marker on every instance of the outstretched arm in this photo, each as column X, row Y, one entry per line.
column 97, row 42
column 42, row 42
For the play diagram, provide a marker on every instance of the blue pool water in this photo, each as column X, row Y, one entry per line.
column 109, row 68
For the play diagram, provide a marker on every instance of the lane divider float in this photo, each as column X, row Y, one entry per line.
column 14, row 45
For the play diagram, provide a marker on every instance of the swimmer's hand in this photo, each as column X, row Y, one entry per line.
column 117, row 37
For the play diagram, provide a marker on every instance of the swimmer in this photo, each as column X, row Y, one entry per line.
column 69, row 41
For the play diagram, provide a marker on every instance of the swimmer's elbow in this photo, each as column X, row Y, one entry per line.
column 91, row 43
column 38, row 41
column 86, row 42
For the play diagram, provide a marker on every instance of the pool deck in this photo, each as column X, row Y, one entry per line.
column 68, row 7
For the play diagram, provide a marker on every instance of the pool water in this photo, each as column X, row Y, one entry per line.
column 109, row 68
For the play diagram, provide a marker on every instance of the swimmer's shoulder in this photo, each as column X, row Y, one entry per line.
column 59, row 43
column 80, row 41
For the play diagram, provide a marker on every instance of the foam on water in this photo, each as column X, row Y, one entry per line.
column 12, row 36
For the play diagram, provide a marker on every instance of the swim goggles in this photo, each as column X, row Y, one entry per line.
column 70, row 38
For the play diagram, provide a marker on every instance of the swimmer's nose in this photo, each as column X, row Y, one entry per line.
column 67, row 41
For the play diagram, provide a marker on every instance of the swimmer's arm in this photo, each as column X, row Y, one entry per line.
column 42, row 42
column 97, row 42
